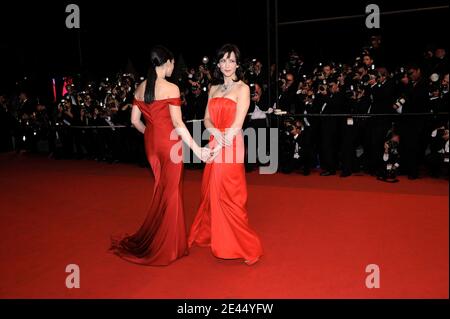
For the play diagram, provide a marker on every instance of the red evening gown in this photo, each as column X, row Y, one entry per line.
column 221, row 221
column 162, row 237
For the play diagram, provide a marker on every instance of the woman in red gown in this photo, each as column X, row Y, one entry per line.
column 162, row 237
column 221, row 221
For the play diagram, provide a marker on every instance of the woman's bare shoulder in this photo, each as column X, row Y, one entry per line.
column 243, row 87
column 172, row 90
column 213, row 90
column 140, row 91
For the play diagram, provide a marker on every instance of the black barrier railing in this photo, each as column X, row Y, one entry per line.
column 364, row 115
column 96, row 126
column 123, row 143
column 360, row 115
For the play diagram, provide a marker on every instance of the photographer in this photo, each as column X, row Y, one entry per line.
column 191, row 87
column 309, row 104
column 354, row 130
column 292, row 155
column 391, row 158
column 198, row 94
column 64, row 119
column 295, row 65
column 367, row 61
column 440, row 61
column 254, row 74
column 444, row 93
column 109, row 137
column 71, row 94
column 382, row 93
column 26, row 113
column 377, row 52
column 258, row 118
column 86, row 119
column 412, row 127
column 438, row 159
column 438, row 100
column 288, row 99
column 334, row 104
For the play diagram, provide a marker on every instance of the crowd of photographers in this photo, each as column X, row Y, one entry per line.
column 90, row 121
column 363, row 116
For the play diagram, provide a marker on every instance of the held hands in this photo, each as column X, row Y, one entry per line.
column 208, row 154
column 205, row 154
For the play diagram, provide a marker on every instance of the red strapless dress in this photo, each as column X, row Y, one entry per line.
column 162, row 237
column 221, row 221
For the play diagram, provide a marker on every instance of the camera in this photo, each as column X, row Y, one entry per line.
column 322, row 88
column 252, row 90
column 400, row 102
column 393, row 147
column 205, row 62
column 282, row 78
column 195, row 88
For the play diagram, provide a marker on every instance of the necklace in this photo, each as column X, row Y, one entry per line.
column 226, row 87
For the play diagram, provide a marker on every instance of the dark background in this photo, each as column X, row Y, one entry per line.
column 35, row 42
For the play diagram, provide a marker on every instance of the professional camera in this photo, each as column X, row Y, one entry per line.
column 249, row 67
column 205, row 62
column 400, row 102
column 393, row 147
column 322, row 87
column 252, row 90
column 389, row 171
column 441, row 132
column 351, row 90
column 282, row 77
column 287, row 126
column 63, row 104
column 371, row 75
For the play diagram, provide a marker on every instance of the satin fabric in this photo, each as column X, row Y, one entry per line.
column 221, row 221
column 162, row 237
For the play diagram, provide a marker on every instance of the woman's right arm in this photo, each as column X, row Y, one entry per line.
column 207, row 120
column 218, row 136
column 136, row 119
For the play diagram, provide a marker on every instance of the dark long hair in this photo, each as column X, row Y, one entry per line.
column 226, row 50
column 158, row 56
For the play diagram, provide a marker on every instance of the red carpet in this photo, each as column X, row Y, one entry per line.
column 318, row 234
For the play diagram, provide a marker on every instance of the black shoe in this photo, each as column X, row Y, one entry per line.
column 306, row 173
column 327, row 173
column 345, row 174
column 413, row 177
